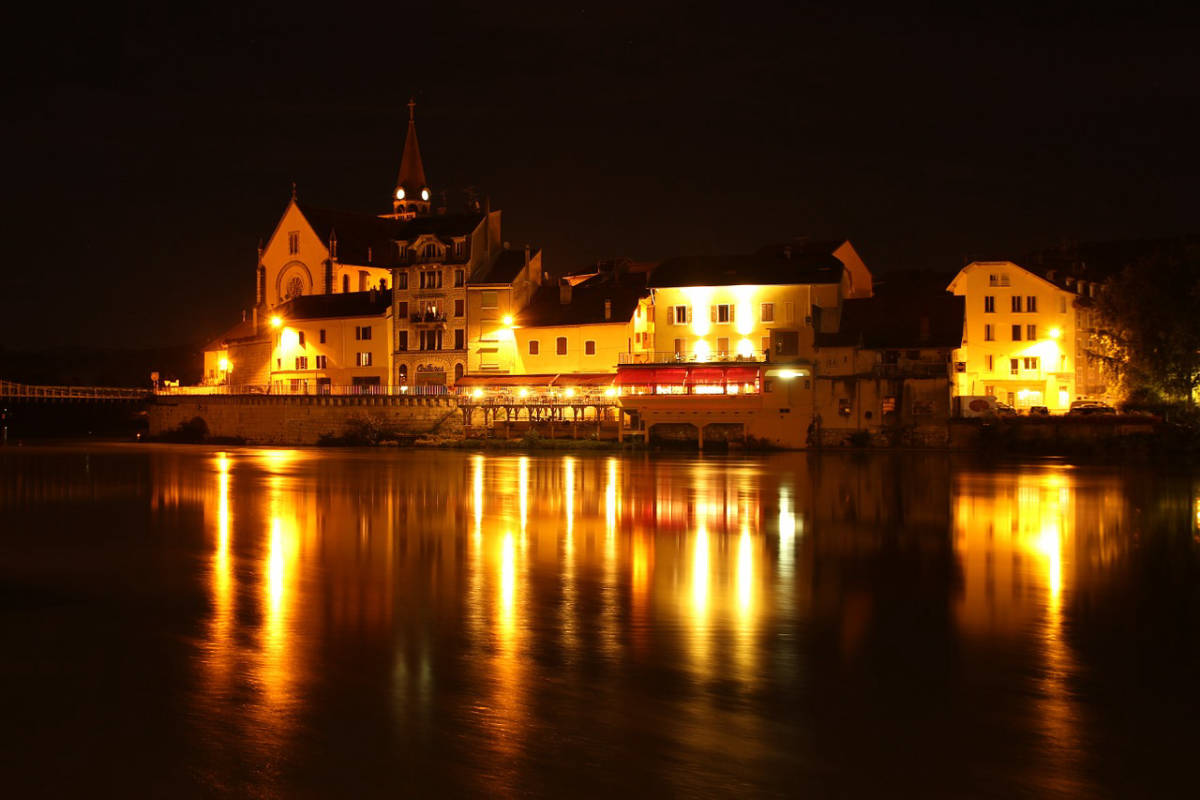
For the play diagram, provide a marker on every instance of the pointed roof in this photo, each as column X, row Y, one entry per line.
column 412, row 171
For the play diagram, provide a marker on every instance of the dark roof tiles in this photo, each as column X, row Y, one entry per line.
column 348, row 304
column 910, row 321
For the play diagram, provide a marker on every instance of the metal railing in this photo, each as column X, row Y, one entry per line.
column 308, row 389
column 32, row 392
column 538, row 399
column 668, row 357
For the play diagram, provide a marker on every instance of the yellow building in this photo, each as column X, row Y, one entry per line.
column 331, row 344
column 495, row 295
column 722, row 308
column 1019, row 343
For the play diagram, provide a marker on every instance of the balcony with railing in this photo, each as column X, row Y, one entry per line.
column 437, row 318
column 668, row 357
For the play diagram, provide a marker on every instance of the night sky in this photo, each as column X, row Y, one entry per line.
column 150, row 151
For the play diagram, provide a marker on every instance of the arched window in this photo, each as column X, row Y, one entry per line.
column 345, row 283
column 402, row 374
column 458, row 372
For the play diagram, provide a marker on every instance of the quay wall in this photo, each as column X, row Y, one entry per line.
column 303, row 419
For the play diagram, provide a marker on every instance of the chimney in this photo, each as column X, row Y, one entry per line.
column 564, row 291
column 608, row 309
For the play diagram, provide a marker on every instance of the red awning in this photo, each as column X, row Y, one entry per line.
column 600, row 379
column 741, row 374
column 635, row 377
column 499, row 381
column 707, row 375
column 670, row 375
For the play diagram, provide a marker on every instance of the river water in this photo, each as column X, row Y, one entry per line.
column 198, row 621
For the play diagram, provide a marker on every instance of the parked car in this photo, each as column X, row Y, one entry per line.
column 1087, row 408
column 1005, row 410
column 1039, row 411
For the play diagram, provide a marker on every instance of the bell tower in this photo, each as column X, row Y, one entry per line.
column 411, row 196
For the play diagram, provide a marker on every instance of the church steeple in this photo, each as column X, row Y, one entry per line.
column 411, row 195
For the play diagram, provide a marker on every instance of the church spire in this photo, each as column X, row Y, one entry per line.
column 411, row 195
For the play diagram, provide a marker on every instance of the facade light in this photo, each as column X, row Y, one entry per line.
column 570, row 393
column 223, row 365
column 1055, row 333
column 276, row 321
column 610, row 392
column 477, row 393
column 508, row 320
column 522, row 392
column 400, row 194
column 425, row 195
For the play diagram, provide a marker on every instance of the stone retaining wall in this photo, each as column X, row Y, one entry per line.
column 303, row 419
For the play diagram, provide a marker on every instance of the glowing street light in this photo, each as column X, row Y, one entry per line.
column 508, row 320
column 570, row 392
column 1055, row 333
column 276, row 321
column 477, row 393
column 223, row 364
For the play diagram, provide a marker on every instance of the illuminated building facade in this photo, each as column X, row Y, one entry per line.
column 323, row 344
column 1020, row 343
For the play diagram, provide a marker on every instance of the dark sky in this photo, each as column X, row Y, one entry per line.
column 149, row 149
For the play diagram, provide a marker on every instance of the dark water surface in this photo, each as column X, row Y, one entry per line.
column 184, row 621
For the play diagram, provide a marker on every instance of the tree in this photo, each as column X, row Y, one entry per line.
column 1149, row 332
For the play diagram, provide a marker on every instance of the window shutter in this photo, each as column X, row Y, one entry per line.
column 689, row 313
column 732, row 309
column 670, row 315
column 712, row 313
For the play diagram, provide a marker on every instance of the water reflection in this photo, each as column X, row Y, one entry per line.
column 519, row 623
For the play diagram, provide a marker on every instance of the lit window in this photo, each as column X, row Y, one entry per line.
column 362, row 359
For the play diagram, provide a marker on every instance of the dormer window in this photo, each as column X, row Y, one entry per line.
column 430, row 251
